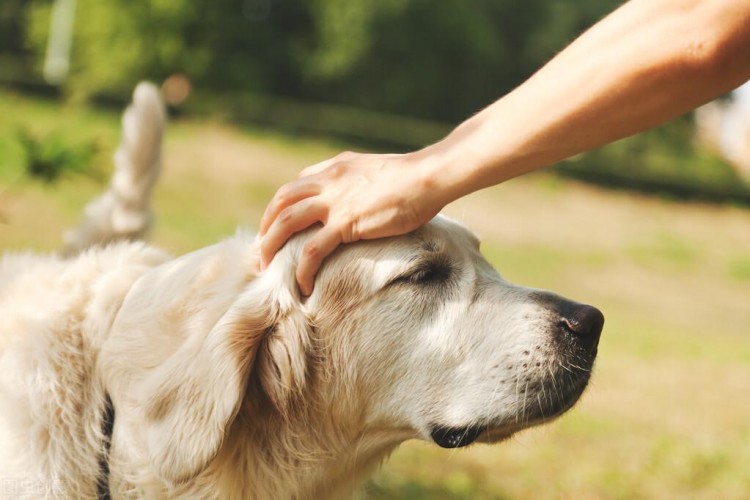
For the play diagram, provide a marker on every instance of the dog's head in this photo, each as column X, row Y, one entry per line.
column 411, row 336
column 439, row 344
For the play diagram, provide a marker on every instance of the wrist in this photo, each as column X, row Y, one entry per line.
column 456, row 165
column 434, row 177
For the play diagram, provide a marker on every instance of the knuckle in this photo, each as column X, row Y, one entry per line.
column 353, row 233
column 286, row 215
column 336, row 170
column 344, row 225
column 283, row 194
column 311, row 250
column 283, row 190
column 279, row 203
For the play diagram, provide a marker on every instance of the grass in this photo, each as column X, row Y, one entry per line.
column 665, row 249
column 739, row 267
column 667, row 413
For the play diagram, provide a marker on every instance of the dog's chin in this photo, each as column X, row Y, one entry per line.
column 461, row 436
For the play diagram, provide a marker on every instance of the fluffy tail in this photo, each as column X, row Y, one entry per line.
column 123, row 211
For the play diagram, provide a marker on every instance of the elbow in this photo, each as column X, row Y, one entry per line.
column 719, row 57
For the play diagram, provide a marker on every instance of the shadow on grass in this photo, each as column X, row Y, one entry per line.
column 412, row 490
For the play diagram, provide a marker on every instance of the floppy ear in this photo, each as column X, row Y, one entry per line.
column 190, row 400
column 282, row 360
column 183, row 346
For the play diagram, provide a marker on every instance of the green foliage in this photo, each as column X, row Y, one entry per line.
column 117, row 43
column 411, row 57
column 11, row 25
column 443, row 63
column 49, row 158
column 344, row 34
column 436, row 62
column 661, row 161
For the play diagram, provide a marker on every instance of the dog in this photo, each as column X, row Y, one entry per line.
column 128, row 373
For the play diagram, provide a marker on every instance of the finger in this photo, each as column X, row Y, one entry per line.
column 317, row 248
column 292, row 219
column 287, row 195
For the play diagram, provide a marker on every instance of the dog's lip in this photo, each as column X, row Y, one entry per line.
column 455, row 437
column 496, row 433
column 502, row 428
column 461, row 436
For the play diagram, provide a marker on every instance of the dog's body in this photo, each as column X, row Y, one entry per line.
column 225, row 383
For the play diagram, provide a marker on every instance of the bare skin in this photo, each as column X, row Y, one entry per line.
column 644, row 64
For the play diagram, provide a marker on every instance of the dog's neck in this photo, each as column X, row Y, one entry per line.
column 327, row 475
column 288, row 461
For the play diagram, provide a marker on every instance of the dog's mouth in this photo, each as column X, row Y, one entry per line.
column 455, row 437
column 542, row 400
column 458, row 437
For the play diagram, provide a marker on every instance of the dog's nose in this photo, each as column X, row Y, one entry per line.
column 582, row 322
column 576, row 324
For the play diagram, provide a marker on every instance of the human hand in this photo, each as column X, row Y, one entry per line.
column 355, row 196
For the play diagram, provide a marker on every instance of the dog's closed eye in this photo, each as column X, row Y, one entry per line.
column 429, row 272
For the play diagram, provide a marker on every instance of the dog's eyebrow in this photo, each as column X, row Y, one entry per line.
column 430, row 246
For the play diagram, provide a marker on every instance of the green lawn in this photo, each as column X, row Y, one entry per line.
column 668, row 412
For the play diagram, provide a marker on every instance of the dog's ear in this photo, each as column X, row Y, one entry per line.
column 183, row 347
column 282, row 360
column 281, row 366
column 191, row 399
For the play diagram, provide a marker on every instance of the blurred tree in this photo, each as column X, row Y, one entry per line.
column 11, row 26
column 13, row 53
column 421, row 58
column 441, row 61
column 417, row 57
column 117, row 43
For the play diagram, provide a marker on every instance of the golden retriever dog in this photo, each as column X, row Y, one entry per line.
column 128, row 373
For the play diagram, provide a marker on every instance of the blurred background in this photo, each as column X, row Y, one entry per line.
column 654, row 230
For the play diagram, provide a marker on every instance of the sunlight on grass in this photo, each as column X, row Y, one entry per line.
column 537, row 266
column 739, row 268
column 665, row 248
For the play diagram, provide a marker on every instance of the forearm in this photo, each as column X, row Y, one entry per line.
column 646, row 63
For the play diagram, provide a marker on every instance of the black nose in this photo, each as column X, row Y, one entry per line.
column 582, row 322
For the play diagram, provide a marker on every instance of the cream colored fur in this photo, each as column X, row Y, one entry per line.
column 227, row 384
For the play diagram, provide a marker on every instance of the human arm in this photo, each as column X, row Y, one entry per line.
column 647, row 62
